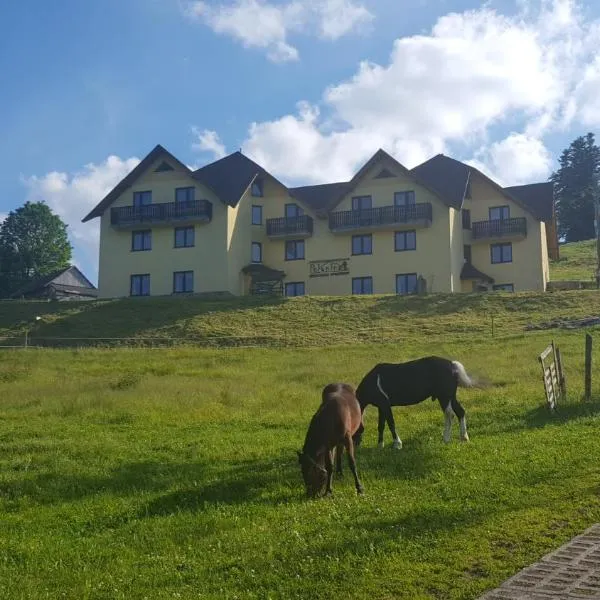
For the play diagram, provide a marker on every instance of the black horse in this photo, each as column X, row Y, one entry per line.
column 404, row 384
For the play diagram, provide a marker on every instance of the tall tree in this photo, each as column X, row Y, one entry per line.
column 576, row 189
column 33, row 243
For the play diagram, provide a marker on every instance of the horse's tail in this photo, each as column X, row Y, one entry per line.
column 462, row 377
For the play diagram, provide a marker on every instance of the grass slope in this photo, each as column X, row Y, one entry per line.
column 296, row 321
column 172, row 474
column 578, row 262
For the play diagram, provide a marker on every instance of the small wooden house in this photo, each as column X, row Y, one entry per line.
column 66, row 284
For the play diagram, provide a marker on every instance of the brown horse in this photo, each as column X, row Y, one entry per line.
column 338, row 418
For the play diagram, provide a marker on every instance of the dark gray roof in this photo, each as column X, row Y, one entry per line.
column 450, row 178
column 320, row 197
column 229, row 177
column 539, row 197
column 470, row 272
column 445, row 175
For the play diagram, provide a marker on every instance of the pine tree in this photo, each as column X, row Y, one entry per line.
column 576, row 188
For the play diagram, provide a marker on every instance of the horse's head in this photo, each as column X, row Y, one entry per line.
column 314, row 475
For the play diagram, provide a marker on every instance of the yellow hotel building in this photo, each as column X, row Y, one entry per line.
column 231, row 227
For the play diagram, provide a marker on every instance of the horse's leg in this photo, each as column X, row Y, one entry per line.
column 381, row 426
column 449, row 413
column 352, row 461
column 329, row 467
column 338, row 459
column 389, row 417
column 459, row 411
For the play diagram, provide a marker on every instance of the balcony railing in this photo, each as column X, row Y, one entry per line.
column 384, row 216
column 166, row 212
column 301, row 226
column 499, row 228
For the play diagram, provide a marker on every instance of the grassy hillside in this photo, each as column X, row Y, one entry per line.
column 577, row 261
column 296, row 321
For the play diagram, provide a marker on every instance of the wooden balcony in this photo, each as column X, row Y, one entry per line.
column 499, row 229
column 166, row 213
column 290, row 227
column 381, row 218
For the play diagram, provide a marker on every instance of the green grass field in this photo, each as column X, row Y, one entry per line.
column 172, row 473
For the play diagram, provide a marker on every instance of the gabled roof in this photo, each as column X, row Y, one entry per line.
column 453, row 176
column 230, row 177
column 447, row 176
column 326, row 197
column 130, row 179
column 50, row 279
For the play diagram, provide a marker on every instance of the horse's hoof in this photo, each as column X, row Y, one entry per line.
column 360, row 491
column 381, row 445
column 397, row 445
column 465, row 439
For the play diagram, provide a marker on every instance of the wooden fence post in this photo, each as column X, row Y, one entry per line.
column 588, row 366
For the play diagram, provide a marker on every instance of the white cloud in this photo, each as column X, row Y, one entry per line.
column 474, row 70
column 73, row 195
column 266, row 25
column 208, row 141
column 515, row 160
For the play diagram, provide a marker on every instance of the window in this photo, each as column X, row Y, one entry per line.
column 466, row 218
column 184, row 237
column 295, row 288
column 404, row 198
column 498, row 213
column 142, row 198
column 504, row 287
column 140, row 285
column 185, row 194
column 362, row 244
column 501, row 253
column 293, row 210
column 257, row 188
column 362, row 202
column 467, row 253
column 362, row 285
column 183, row 281
column 406, row 283
column 405, row 240
column 256, row 252
column 256, row 214
column 294, row 250
column 141, row 240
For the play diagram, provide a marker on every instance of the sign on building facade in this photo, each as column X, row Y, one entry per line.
column 326, row 268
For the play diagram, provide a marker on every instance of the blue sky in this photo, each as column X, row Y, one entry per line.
column 308, row 89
